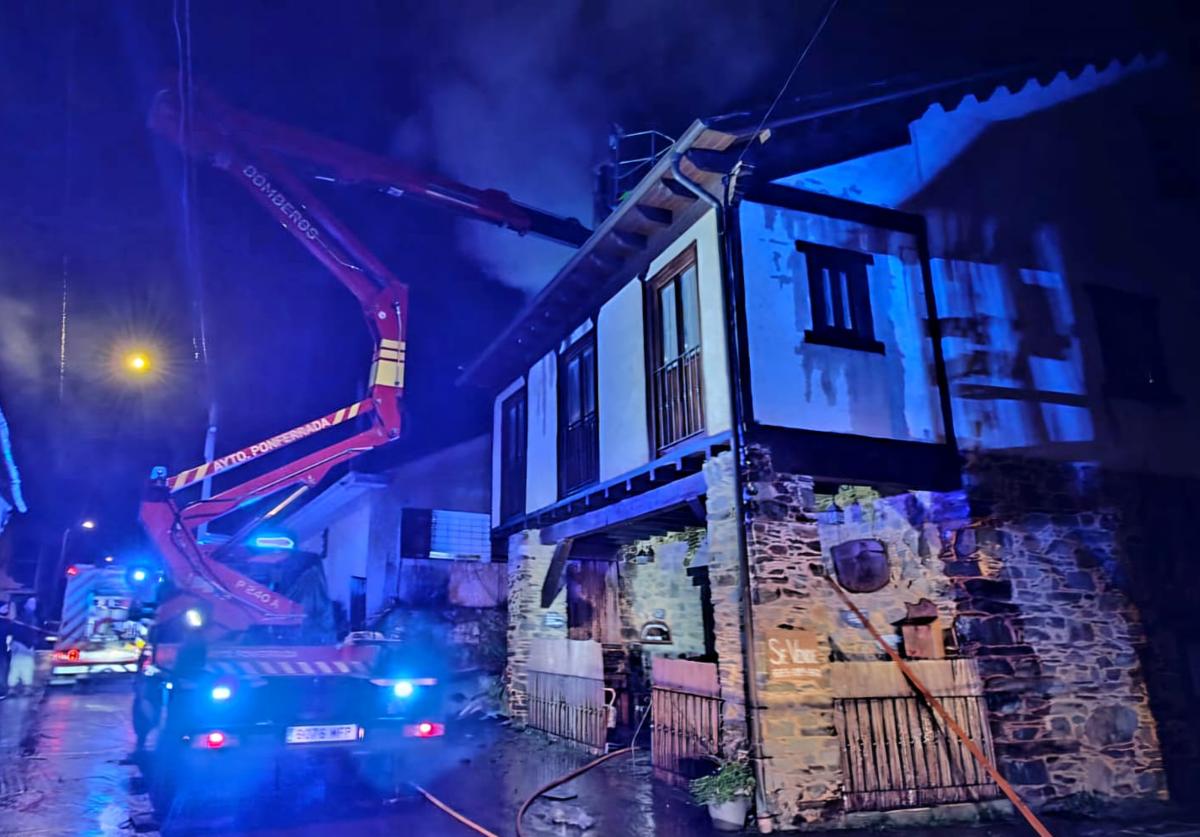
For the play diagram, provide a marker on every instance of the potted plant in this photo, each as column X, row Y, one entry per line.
column 726, row 792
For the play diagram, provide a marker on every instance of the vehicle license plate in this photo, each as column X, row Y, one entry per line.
column 322, row 734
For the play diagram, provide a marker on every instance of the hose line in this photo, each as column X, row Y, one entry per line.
column 562, row 780
column 443, row 806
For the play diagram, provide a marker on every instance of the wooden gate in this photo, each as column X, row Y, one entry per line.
column 685, row 718
column 896, row 753
column 566, row 691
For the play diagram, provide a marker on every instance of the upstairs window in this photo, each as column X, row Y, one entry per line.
column 578, row 450
column 512, row 455
column 840, row 298
column 1134, row 364
column 677, row 403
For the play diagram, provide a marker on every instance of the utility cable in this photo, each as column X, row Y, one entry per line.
column 788, row 81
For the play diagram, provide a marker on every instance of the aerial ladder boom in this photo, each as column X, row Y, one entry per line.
column 253, row 151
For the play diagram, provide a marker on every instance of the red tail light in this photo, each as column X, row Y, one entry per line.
column 215, row 740
column 425, row 729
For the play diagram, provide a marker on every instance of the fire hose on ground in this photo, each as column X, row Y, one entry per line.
column 546, row 788
column 936, row 705
column 562, row 780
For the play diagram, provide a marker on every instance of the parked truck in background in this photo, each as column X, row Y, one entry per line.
column 104, row 623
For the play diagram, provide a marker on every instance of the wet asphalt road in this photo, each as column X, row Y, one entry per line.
column 64, row 771
column 78, row 781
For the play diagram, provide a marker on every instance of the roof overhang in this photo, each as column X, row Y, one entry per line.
column 801, row 135
column 652, row 214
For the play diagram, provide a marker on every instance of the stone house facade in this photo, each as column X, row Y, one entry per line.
column 922, row 362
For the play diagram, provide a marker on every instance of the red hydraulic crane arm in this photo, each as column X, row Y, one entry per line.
column 335, row 161
column 255, row 152
column 233, row 601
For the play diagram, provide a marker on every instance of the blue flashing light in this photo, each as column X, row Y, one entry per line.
column 220, row 693
column 274, row 542
column 403, row 689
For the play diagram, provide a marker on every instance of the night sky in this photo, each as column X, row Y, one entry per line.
column 510, row 95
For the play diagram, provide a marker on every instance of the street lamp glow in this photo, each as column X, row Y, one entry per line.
column 138, row 362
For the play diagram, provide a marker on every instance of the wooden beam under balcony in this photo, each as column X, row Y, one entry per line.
column 679, row 492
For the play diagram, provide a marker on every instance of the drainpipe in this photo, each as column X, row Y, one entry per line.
column 765, row 816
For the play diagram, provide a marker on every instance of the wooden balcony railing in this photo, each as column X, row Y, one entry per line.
column 678, row 399
column 579, row 458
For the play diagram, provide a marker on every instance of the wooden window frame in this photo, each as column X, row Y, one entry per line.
column 577, row 348
column 513, row 494
column 674, row 269
column 853, row 305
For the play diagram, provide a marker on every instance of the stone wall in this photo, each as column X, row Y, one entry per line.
column 528, row 560
column 662, row 590
column 1033, row 596
column 1040, row 578
column 724, row 574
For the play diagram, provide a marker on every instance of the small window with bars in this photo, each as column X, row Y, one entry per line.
column 458, row 534
column 840, row 298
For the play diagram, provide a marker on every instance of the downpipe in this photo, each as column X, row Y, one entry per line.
column 764, row 814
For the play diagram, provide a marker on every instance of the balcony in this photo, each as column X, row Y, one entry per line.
column 678, row 400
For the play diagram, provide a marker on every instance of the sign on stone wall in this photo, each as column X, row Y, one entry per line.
column 792, row 656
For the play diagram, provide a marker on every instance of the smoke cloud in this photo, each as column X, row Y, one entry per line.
column 521, row 96
column 22, row 357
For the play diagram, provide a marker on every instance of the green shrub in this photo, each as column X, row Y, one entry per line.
column 732, row 779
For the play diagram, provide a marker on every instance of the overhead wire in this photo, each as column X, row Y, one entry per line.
column 68, row 175
column 790, row 76
column 184, row 83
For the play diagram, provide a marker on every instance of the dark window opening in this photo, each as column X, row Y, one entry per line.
column 512, row 455
column 840, row 298
column 1134, row 364
column 358, row 603
column 578, row 452
column 677, row 394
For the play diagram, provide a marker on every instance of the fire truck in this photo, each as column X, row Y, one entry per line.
column 102, row 631
column 245, row 667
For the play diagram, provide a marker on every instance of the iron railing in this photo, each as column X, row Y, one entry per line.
column 678, row 399
column 579, row 463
